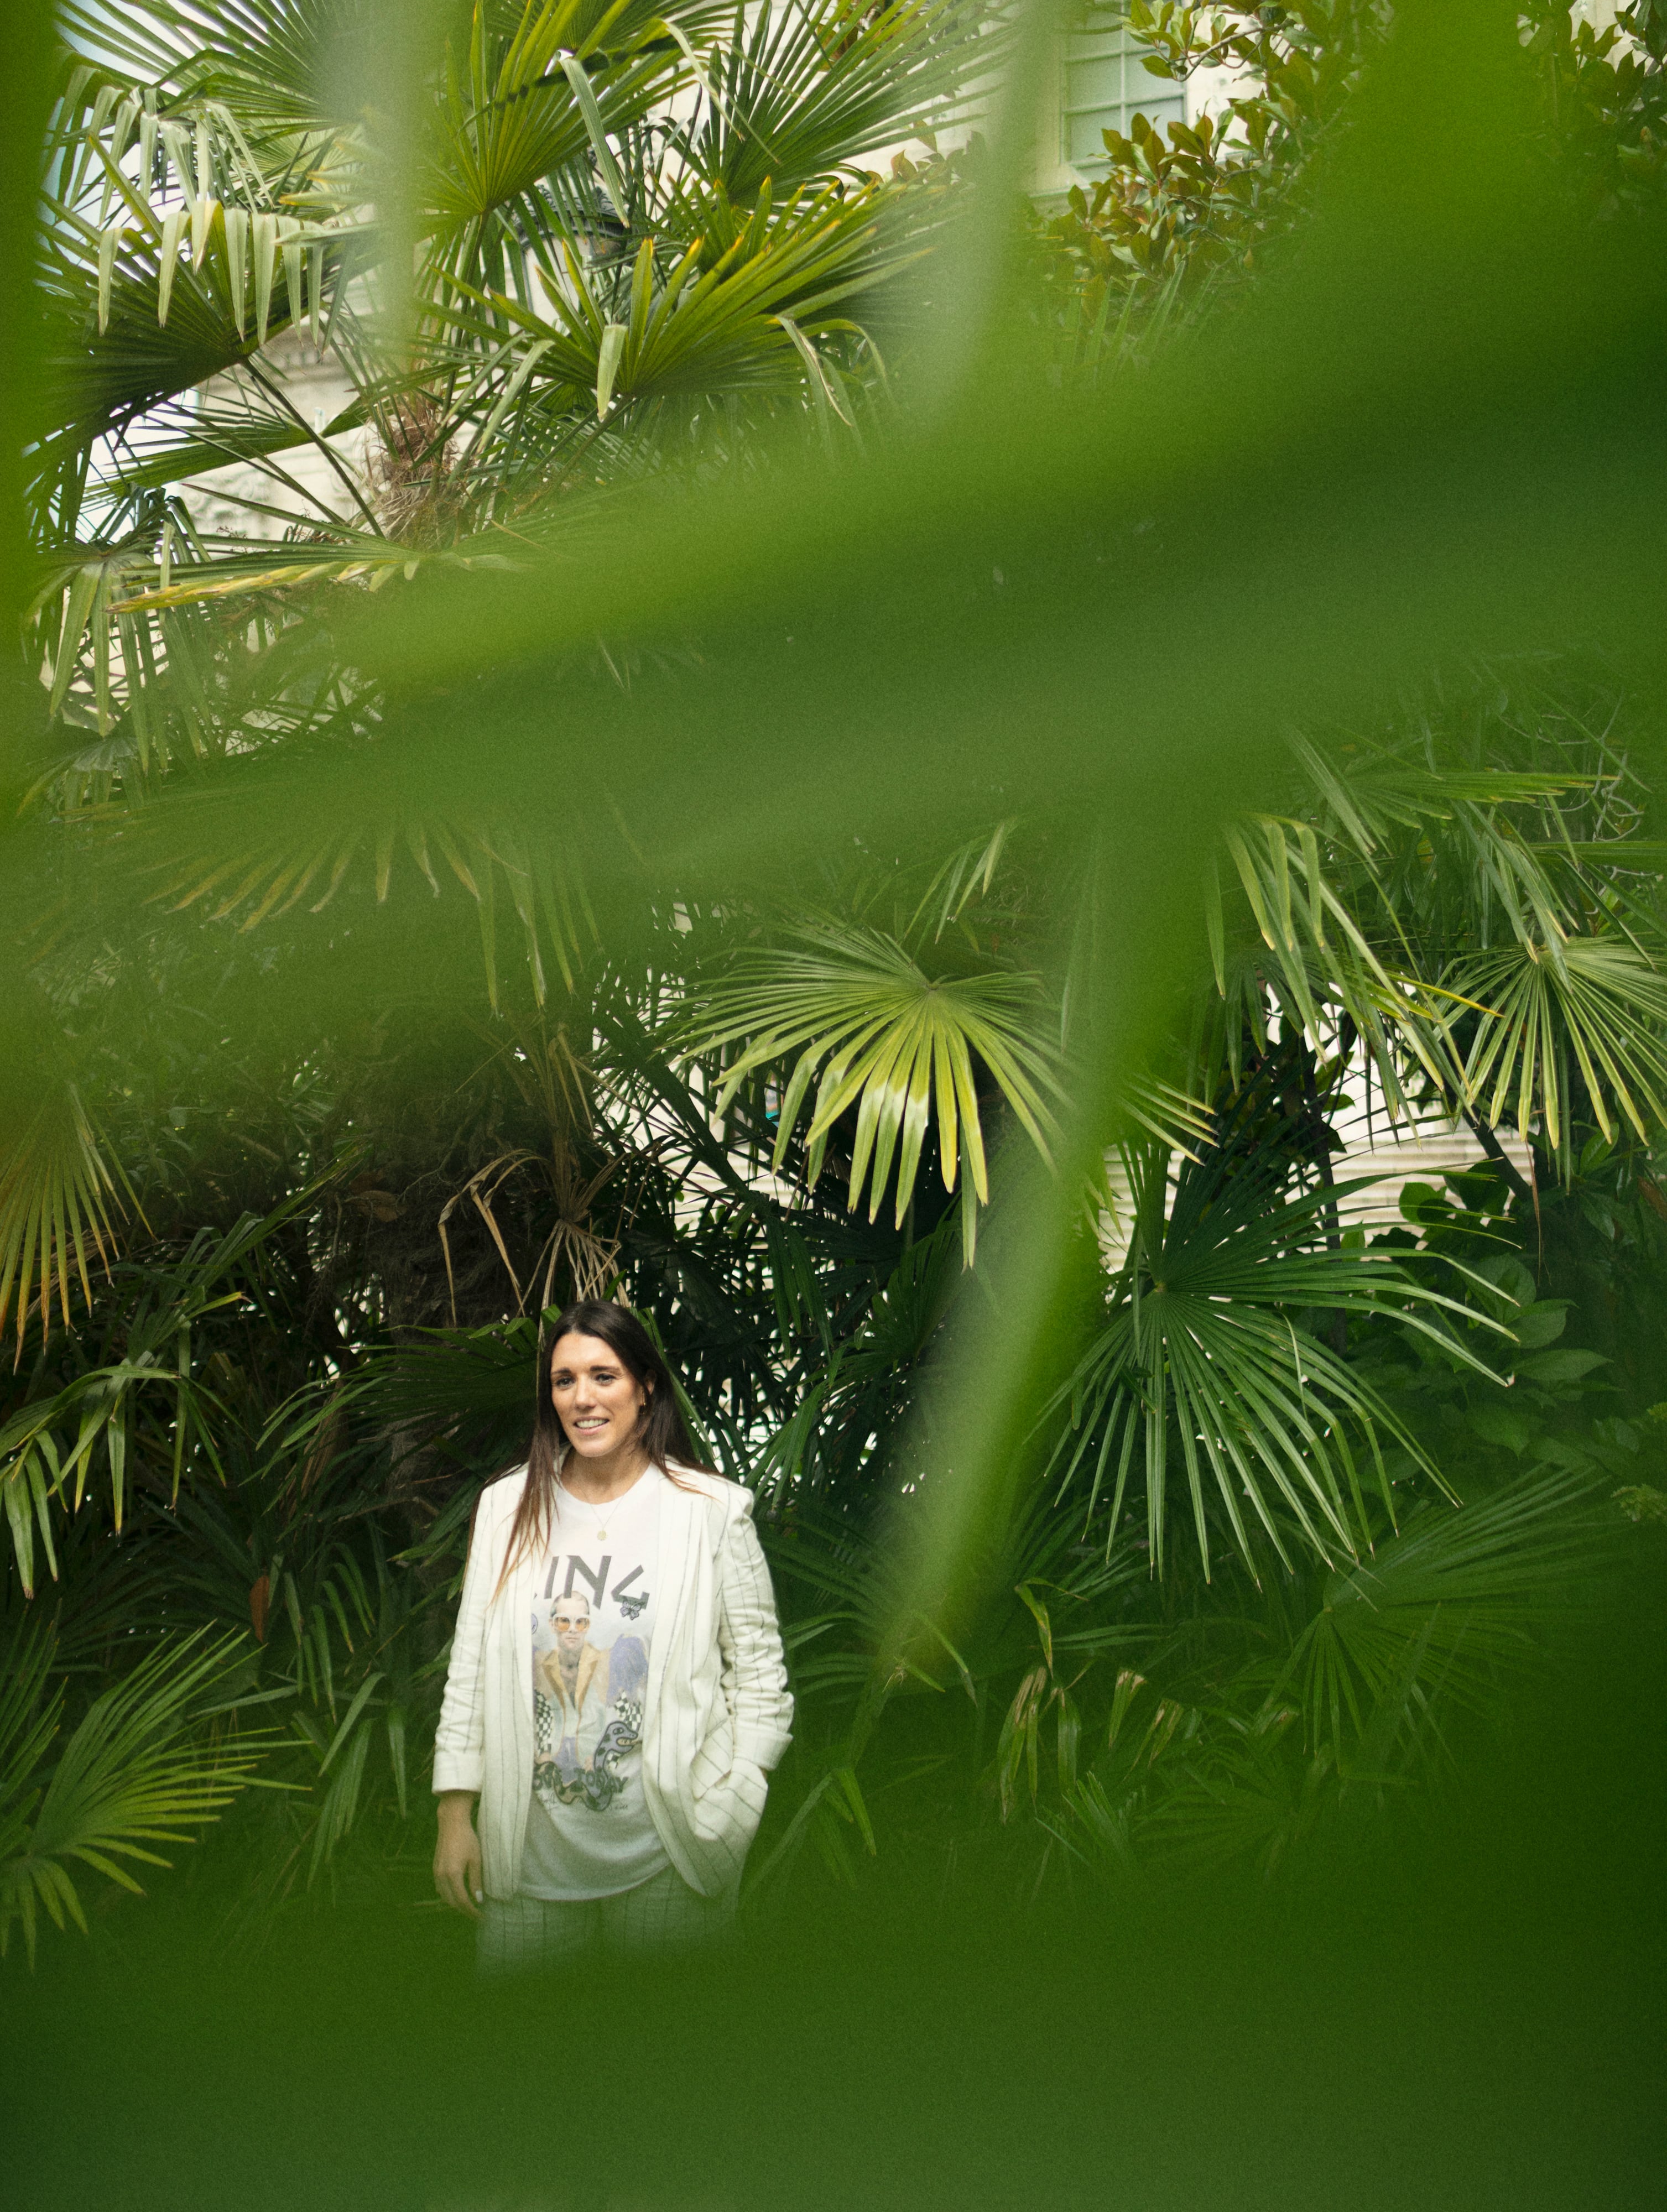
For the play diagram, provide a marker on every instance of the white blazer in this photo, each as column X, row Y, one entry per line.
column 717, row 1713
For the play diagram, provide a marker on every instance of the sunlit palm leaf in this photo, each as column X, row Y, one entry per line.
column 851, row 1011
column 801, row 91
column 166, row 319
column 692, row 324
column 1591, row 1005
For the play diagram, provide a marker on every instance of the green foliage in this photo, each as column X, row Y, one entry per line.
column 853, row 1011
column 1474, row 906
column 609, row 211
column 1201, row 202
column 1193, row 209
column 849, row 709
column 58, row 1195
column 136, row 1771
column 1200, row 1345
column 108, row 1406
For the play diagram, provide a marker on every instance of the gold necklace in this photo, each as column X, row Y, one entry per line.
column 597, row 1530
column 595, row 1512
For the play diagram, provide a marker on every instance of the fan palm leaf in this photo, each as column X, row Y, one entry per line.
column 854, row 1013
column 1592, row 1005
column 519, row 116
column 135, row 1773
column 1443, row 1609
column 800, row 92
column 541, row 888
column 686, row 326
column 1357, row 912
column 48, row 1443
column 60, row 1197
column 1204, row 1352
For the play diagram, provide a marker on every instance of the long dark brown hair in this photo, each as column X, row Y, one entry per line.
column 661, row 1430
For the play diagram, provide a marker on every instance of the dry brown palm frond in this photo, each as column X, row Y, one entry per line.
column 417, row 495
column 589, row 1256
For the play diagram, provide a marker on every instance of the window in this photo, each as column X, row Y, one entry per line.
column 1104, row 88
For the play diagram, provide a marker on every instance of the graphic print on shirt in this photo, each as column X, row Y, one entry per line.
column 590, row 1676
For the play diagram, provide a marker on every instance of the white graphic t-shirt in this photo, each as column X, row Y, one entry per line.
column 589, row 1833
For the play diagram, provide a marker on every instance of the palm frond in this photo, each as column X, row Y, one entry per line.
column 1595, row 1006
column 804, row 91
column 854, row 1013
column 536, row 104
column 58, row 1193
column 1206, row 1346
column 1446, row 1611
column 48, row 1443
column 544, row 890
column 714, row 315
column 138, row 1772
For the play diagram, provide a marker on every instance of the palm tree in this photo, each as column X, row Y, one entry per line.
column 630, row 231
column 570, row 252
column 636, row 239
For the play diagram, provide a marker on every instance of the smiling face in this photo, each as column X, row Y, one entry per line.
column 598, row 1400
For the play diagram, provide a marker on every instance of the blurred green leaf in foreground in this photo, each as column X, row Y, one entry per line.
column 806, row 701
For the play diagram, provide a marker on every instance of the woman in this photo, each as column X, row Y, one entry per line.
column 617, row 1693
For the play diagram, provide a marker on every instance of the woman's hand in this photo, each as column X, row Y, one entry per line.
column 456, row 1853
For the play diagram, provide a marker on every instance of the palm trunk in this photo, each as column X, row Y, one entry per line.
column 1508, row 1175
